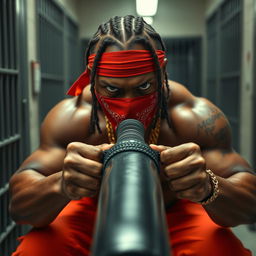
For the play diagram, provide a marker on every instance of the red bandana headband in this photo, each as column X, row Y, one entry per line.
column 118, row 64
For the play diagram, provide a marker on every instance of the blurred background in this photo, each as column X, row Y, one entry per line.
column 211, row 47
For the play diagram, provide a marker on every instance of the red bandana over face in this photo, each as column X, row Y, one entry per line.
column 142, row 108
column 123, row 64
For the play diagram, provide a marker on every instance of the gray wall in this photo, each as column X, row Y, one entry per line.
column 174, row 17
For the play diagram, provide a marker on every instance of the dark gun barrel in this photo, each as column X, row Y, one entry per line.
column 130, row 218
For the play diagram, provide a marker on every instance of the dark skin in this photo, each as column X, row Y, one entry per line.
column 67, row 165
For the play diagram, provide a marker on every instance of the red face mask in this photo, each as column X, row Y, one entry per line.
column 142, row 108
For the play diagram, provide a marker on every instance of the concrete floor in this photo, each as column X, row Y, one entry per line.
column 247, row 236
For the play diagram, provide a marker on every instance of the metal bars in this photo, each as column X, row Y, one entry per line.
column 224, row 35
column 58, row 53
column 10, row 114
column 254, row 90
column 8, row 35
column 184, row 62
column 73, row 51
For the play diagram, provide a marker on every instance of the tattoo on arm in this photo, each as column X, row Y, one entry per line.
column 222, row 137
column 209, row 128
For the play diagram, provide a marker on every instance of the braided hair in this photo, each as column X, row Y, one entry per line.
column 126, row 30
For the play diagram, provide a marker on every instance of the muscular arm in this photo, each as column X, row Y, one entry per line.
column 36, row 189
column 210, row 130
column 236, row 203
column 36, row 198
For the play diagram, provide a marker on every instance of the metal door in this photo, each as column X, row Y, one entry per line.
column 184, row 62
column 58, row 46
column 224, row 37
column 14, row 144
column 254, row 93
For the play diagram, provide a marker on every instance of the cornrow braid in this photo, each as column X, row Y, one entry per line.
column 91, row 45
column 118, row 31
column 115, row 26
column 154, row 35
column 161, row 93
column 104, row 29
column 138, row 26
column 128, row 26
column 107, row 41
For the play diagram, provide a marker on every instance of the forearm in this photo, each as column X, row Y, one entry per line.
column 236, row 203
column 36, row 199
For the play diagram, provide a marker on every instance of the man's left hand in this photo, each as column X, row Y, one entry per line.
column 185, row 170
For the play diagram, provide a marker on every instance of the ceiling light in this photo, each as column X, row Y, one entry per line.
column 146, row 7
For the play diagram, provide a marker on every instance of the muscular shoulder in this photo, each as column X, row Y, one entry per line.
column 196, row 119
column 68, row 121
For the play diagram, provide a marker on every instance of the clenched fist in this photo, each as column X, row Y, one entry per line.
column 81, row 174
column 184, row 168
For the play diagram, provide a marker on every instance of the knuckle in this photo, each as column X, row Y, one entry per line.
column 198, row 161
column 202, row 176
column 67, row 176
column 200, row 179
column 98, row 170
column 165, row 154
column 167, row 174
column 193, row 147
column 68, row 160
column 72, row 146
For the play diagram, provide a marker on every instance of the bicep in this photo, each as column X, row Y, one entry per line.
column 48, row 158
column 225, row 163
column 45, row 161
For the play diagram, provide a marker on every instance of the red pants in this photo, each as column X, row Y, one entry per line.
column 191, row 232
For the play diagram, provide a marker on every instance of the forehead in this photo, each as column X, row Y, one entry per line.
column 125, row 46
column 114, row 48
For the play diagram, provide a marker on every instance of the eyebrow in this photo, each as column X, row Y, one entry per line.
column 103, row 82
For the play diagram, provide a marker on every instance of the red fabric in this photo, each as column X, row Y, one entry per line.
column 191, row 231
column 118, row 64
column 142, row 108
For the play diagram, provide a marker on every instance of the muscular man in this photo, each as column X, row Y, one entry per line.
column 207, row 186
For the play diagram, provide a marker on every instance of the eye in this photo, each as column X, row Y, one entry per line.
column 111, row 88
column 145, row 86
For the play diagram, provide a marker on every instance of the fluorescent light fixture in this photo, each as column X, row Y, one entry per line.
column 148, row 19
column 146, row 7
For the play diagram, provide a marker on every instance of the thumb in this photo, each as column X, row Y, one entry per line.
column 158, row 148
column 105, row 146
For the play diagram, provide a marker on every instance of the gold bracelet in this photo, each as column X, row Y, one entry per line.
column 215, row 192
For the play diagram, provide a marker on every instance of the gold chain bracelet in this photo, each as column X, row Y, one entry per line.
column 215, row 192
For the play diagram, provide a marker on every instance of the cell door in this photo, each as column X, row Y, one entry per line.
column 254, row 93
column 224, row 47
column 184, row 62
column 14, row 143
column 58, row 47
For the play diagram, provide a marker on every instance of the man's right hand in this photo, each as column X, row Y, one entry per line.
column 82, row 170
